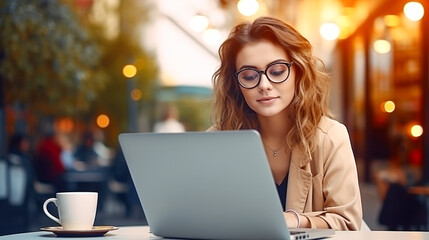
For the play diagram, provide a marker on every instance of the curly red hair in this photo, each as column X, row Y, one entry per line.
column 311, row 97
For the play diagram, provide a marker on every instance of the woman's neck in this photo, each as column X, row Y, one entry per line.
column 274, row 129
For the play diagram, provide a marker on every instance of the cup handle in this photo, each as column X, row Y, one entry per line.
column 45, row 209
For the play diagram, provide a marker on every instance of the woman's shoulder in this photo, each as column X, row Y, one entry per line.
column 329, row 125
column 331, row 135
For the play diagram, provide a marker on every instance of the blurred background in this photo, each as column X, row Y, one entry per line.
column 76, row 73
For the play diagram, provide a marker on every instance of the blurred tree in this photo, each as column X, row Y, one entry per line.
column 61, row 57
column 194, row 113
column 113, row 100
column 48, row 60
column 124, row 48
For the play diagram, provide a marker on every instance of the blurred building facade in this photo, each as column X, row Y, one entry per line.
column 383, row 69
column 377, row 53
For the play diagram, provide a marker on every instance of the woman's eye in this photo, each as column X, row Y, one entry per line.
column 277, row 72
column 250, row 77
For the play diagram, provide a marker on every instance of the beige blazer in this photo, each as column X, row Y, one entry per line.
column 326, row 184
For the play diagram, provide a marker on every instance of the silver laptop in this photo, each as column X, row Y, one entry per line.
column 208, row 185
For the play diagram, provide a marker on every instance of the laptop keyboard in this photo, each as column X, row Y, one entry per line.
column 299, row 234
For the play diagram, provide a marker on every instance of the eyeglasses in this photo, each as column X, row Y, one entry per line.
column 276, row 72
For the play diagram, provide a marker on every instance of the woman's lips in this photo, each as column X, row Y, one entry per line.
column 267, row 99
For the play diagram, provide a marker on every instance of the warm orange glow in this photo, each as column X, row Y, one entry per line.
column 65, row 125
column 103, row 121
column 129, row 71
column 136, row 94
column 345, row 26
column 392, row 20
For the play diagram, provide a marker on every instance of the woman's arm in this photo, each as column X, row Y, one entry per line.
column 340, row 185
column 324, row 189
column 304, row 222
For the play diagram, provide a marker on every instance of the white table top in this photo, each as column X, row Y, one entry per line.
column 142, row 233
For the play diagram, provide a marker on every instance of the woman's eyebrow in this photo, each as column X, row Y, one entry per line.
column 246, row 67
column 277, row 61
column 254, row 67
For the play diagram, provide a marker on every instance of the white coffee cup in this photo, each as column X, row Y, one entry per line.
column 76, row 210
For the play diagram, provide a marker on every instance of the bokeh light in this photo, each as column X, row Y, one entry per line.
column 65, row 125
column 136, row 94
column 199, row 23
column 416, row 130
column 414, row 11
column 129, row 70
column 382, row 46
column 329, row 31
column 389, row 106
column 103, row 120
column 247, row 7
column 212, row 36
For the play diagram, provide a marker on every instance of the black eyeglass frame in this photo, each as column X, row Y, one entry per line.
column 288, row 64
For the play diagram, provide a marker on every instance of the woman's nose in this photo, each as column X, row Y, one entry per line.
column 264, row 83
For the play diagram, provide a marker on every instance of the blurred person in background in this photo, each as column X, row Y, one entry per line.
column 67, row 149
column 400, row 209
column 85, row 153
column 104, row 153
column 92, row 153
column 270, row 81
column 47, row 162
column 20, row 147
column 170, row 122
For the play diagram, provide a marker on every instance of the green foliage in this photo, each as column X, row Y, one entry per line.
column 47, row 58
column 194, row 113
column 193, row 104
column 114, row 98
column 59, row 63
column 126, row 49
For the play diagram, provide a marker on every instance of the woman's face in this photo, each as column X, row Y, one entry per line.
column 267, row 99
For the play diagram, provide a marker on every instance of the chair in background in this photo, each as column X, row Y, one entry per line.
column 402, row 210
column 16, row 193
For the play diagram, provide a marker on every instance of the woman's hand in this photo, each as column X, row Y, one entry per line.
column 292, row 219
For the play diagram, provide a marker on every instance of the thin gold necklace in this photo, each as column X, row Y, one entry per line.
column 274, row 150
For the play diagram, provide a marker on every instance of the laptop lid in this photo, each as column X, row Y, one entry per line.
column 205, row 185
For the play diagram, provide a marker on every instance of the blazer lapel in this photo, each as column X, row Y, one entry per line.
column 300, row 180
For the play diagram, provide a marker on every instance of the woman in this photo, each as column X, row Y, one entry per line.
column 269, row 80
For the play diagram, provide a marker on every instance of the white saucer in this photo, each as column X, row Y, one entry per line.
column 94, row 232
